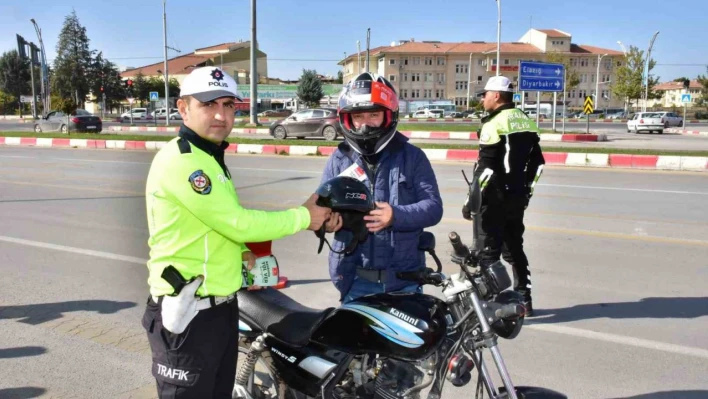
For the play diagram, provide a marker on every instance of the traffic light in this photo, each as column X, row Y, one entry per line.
column 35, row 54
column 21, row 43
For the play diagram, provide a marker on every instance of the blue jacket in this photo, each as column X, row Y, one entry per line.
column 405, row 179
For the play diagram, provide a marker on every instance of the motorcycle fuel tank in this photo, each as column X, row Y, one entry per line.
column 407, row 326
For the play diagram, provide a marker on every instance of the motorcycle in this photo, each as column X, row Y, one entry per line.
column 392, row 345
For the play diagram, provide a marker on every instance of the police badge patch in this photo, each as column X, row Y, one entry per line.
column 200, row 182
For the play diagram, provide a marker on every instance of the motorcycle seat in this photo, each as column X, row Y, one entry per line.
column 280, row 316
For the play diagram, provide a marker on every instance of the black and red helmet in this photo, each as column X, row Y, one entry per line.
column 366, row 93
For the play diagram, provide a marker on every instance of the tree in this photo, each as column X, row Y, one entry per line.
column 572, row 76
column 73, row 61
column 14, row 76
column 310, row 89
column 474, row 103
column 681, row 79
column 340, row 77
column 103, row 74
column 702, row 98
column 158, row 84
column 141, row 88
column 6, row 99
column 629, row 83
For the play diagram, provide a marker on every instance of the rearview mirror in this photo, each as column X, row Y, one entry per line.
column 292, row 118
column 475, row 193
column 426, row 241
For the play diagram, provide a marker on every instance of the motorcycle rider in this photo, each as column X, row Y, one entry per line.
column 510, row 163
column 402, row 182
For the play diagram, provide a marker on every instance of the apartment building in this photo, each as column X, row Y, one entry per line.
column 671, row 93
column 431, row 70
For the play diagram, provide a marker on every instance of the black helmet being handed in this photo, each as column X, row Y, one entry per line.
column 368, row 93
column 352, row 199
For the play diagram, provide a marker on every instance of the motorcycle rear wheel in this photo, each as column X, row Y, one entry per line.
column 266, row 382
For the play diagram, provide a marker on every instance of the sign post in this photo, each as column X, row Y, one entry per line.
column 685, row 99
column 588, row 109
column 154, row 96
column 130, row 101
column 541, row 77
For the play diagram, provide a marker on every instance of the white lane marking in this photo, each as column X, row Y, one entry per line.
column 622, row 340
column 81, row 251
column 642, row 190
column 74, row 159
column 576, row 332
column 278, row 170
column 645, row 190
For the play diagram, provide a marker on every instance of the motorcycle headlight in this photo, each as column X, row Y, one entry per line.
column 497, row 277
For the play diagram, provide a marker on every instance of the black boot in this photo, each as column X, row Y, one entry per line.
column 528, row 302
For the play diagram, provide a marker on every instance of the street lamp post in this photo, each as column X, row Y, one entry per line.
column 45, row 75
column 646, row 71
column 597, row 81
column 499, row 38
column 254, row 67
column 469, row 81
column 624, row 50
column 166, row 74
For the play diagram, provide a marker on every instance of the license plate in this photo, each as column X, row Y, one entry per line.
column 90, row 127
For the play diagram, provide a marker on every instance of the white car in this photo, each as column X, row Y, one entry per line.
column 175, row 116
column 160, row 113
column 426, row 113
column 138, row 113
column 670, row 119
column 645, row 122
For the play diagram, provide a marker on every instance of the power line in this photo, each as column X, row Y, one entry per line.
column 269, row 59
column 704, row 64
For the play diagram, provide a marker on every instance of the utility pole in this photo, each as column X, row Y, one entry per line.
column 368, row 43
column 166, row 74
column 45, row 75
column 254, row 70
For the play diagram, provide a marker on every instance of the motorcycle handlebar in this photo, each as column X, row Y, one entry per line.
column 460, row 249
column 510, row 311
column 427, row 276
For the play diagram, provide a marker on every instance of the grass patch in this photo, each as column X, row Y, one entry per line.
column 324, row 143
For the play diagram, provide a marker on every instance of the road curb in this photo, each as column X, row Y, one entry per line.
column 625, row 161
column 411, row 134
column 687, row 132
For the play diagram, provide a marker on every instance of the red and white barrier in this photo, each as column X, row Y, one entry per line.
column 659, row 162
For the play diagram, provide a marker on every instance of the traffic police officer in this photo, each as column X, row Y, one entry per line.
column 510, row 163
column 198, row 230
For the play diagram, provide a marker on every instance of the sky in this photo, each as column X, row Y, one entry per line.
column 314, row 34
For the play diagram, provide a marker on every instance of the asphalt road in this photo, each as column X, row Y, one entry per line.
column 618, row 261
column 616, row 134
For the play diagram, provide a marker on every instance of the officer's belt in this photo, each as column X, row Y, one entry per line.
column 206, row 302
column 375, row 276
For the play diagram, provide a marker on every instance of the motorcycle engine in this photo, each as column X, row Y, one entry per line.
column 395, row 378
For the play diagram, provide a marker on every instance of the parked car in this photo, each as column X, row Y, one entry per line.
column 453, row 114
column 670, row 119
column 138, row 113
column 175, row 116
column 427, row 113
column 645, row 121
column 79, row 121
column 276, row 113
column 160, row 113
column 472, row 114
column 320, row 122
column 616, row 115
